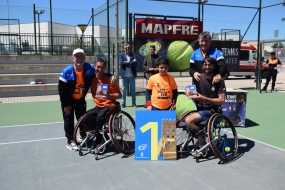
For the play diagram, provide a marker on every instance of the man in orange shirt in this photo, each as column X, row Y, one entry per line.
column 274, row 63
column 95, row 118
column 73, row 85
column 161, row 90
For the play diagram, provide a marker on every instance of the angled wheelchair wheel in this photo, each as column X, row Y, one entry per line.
column 181, row 132
column 122, row 132
column 79, row 134
column 222, row 137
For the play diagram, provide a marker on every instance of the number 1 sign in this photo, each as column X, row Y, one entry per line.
column 155, row 135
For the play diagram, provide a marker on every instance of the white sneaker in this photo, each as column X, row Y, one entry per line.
column 71, row 145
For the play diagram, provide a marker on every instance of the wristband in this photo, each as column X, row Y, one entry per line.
column 148, row 103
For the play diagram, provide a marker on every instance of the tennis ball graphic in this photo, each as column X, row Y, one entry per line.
column 227, row 149
column 144, row 49
column 215, row 134
column 178, row 54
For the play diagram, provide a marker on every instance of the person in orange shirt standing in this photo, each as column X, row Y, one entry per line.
column 94, row 119
column 274, row 63
column 73, row 85
column 161, row 90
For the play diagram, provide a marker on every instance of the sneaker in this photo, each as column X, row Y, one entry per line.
column 123, row 105
column 98, row 141
column 71, row 145
column 80, row 136
column 135, row 105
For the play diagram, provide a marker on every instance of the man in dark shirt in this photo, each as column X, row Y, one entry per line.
column 149, row 64
column 209, row 97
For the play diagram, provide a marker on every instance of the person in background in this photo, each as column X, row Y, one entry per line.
column 149, row 64
column 128, row 74
column 273, row 63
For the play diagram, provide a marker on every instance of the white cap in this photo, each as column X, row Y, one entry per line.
column 78, row 50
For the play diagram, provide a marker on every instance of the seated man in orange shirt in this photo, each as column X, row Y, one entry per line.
column 95, row 118
column 161, row 91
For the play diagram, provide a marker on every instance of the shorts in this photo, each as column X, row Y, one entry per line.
column 205, row 114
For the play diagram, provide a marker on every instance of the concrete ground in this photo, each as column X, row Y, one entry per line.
column 33, row 153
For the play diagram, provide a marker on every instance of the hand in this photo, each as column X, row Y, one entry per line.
column 149, row 107
column 275, row 68
column 113, row 79
column 197, row 76
column 151, row 69
column 173, row 107
column 217, row 79
column 67, row 110
column 189, row 93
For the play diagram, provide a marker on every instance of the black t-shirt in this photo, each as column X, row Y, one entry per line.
column 209, row 90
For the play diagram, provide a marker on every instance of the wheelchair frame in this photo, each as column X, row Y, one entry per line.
column 221, row 139
column 114, row 127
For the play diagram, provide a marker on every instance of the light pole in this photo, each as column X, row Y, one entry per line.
column 82, row 28
column 203, row 2
column 38, row 13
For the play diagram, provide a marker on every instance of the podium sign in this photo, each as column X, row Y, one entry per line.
column 155, row 135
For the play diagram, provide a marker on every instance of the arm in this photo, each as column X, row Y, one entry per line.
column 112, row 96
column 134, row 60
column 222, row 67
column 145, row 66
column 216, row 101
column 121, row 61
column 148, row 93
column 63, row 93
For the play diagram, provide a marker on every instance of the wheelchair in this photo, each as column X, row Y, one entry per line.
column 119, row 131
column 219, row 134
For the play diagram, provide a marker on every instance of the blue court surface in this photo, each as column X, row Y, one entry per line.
column 35, row 157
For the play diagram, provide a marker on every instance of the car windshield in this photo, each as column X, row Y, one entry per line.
column 254, row 55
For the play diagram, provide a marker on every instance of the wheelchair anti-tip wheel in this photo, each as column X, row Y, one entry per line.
column 122, row 132
column 181, row 132
column 222, row 137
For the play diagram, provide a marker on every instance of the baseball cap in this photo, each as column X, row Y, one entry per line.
column 78, row 50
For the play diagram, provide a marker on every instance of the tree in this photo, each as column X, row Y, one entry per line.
column 277, row 45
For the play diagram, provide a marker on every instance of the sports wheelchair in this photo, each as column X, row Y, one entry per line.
column 118, row 130
column 219, row 134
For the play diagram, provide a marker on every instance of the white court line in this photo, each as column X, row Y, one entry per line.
column 262, row 143
column 30, row 125
column 39, row 140
column 133, row 116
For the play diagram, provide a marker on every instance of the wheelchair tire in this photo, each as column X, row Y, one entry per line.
column 222, row 137
column 77, row 131
column 181, row 132
column 122, row 132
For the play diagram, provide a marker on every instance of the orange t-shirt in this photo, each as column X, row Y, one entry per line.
column 79, row 90
column 112, row 88
column 161, row 87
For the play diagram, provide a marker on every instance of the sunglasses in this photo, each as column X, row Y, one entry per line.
column 127, row 47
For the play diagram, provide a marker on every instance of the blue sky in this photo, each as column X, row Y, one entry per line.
column 215, row 17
